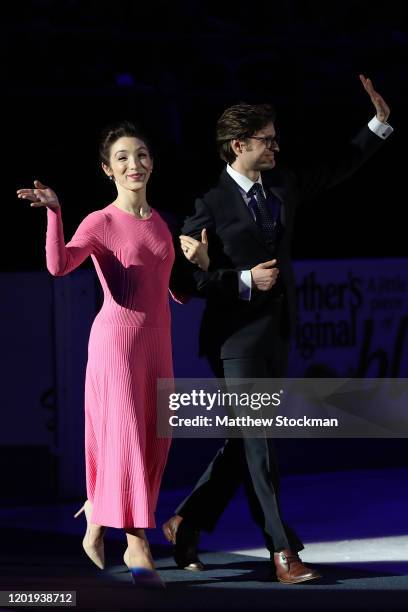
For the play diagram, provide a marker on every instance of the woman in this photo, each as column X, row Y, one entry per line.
column 129, row 346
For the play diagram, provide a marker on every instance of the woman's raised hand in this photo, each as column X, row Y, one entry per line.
column 39, row 196
column 196, row 251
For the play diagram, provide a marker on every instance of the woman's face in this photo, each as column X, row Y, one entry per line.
column 130, row 163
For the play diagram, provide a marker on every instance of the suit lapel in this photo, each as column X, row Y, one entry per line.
column 241, row 209
column 238, row 206
column 279, row 193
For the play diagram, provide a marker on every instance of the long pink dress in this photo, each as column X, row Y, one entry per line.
column 129, row 348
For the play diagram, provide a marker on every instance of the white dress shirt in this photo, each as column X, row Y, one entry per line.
column 383, row 130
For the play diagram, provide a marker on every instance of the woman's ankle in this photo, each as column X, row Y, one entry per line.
column 95, row 533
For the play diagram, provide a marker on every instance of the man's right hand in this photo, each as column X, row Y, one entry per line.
column 264, row 275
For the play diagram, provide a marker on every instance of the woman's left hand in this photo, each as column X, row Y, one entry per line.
column 196, row 251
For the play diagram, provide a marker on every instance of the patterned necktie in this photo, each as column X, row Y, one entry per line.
column 264, row 218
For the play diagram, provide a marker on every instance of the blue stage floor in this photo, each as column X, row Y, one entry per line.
column 354, row 525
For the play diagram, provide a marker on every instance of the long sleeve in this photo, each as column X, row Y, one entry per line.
column 63, row 258
column 219, row 278
column 334, row 168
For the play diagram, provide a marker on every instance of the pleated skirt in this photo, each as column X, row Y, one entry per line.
column 124, row 457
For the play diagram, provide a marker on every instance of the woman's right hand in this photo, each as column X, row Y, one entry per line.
column 196, row 251
column 39, row 196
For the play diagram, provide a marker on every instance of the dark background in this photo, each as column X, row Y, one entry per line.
column 71, row 67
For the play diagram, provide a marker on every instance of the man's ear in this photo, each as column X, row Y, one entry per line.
column 236, row 146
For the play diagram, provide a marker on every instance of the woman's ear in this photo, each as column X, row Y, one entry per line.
column 107, row 171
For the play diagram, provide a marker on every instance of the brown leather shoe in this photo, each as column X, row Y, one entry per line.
column 185, row 540
column 290, row 569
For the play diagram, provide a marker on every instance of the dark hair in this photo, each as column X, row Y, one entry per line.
column 240, row 121
column 117, row 130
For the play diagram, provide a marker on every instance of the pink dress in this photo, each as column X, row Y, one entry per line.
column 129, row 348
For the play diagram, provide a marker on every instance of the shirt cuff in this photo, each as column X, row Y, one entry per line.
column 245, row 284
column 383, row 130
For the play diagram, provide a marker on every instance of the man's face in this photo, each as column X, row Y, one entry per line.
column 255, row 153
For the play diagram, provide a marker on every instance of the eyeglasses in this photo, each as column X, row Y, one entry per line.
column 269, row 141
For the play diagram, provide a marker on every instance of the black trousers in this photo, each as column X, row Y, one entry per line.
column 250, row 461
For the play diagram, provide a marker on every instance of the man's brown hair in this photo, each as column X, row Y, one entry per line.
column 241, row 121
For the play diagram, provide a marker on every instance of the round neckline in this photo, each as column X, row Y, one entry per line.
column 129, row 214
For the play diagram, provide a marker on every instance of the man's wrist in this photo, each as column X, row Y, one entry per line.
column 245, row 284
column 383, row 130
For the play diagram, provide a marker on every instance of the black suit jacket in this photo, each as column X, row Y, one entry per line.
column 231, row 326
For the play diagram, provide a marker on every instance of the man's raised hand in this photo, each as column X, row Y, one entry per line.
column 381, row 107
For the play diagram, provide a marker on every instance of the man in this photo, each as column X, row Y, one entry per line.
column 249, row 314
